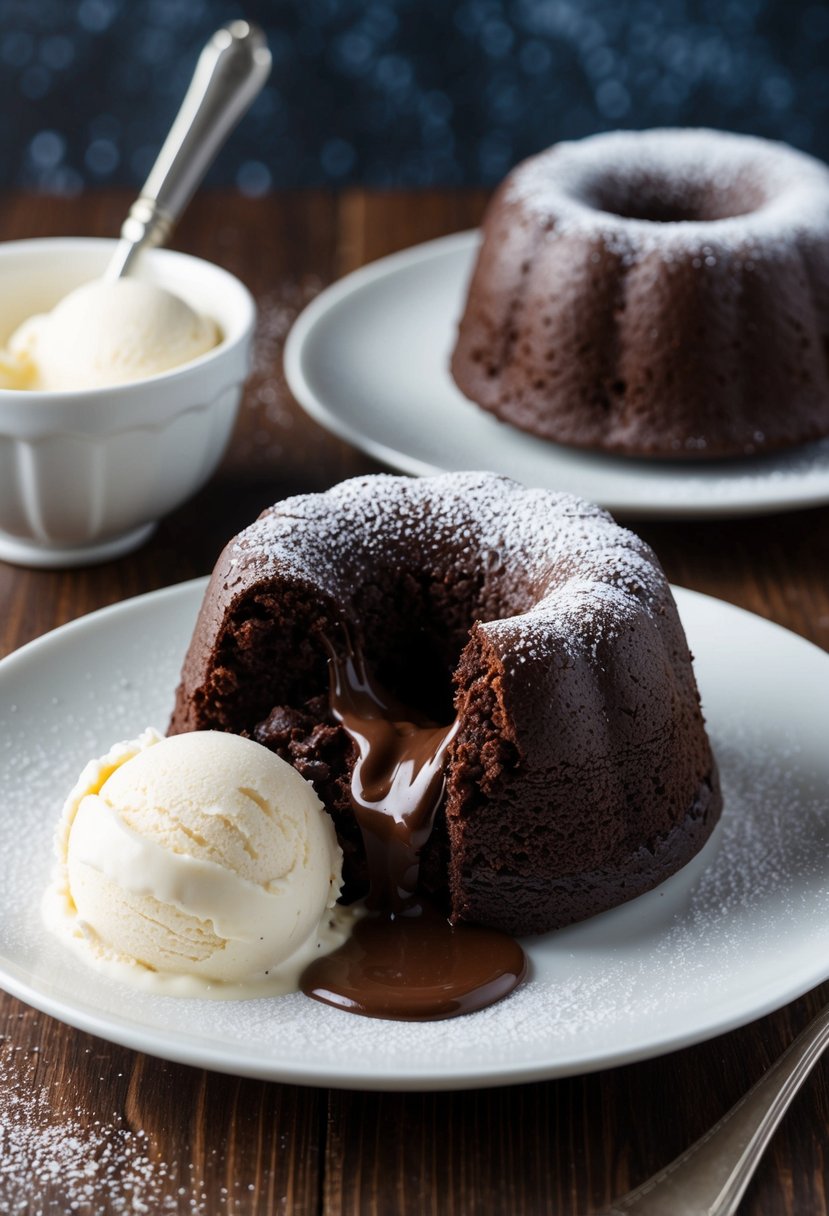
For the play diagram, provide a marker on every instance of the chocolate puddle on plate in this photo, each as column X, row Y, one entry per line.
column 404, row 960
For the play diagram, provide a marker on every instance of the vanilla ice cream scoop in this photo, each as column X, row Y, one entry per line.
column 103, row 333
column 202, row 855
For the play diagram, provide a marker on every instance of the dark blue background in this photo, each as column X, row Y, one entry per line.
column 399, row 92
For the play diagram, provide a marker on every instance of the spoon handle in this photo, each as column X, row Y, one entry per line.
column 231, row 70
column 710, row 1178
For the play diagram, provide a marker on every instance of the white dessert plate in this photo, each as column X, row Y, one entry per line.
column 740, row 931
column 369, row 360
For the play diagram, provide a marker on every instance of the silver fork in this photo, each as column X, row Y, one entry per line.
column 710, row 1178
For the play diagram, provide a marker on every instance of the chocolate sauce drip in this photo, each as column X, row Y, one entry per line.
column 404, row 959
column 398, row 780
column 416, row 968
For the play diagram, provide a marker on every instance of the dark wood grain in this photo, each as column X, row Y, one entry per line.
column 182, row 1140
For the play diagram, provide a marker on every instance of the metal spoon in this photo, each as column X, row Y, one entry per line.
column 710, row 1178
column 231, row 70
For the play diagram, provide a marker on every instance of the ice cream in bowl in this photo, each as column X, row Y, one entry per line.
column 117, row 396
column 106, row 332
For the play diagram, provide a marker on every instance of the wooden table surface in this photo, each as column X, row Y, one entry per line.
column 90, row 1127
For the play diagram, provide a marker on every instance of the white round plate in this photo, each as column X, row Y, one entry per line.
column 740, row 931
column 369, row 360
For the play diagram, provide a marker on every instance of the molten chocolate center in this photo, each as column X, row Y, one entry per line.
column 404, row 959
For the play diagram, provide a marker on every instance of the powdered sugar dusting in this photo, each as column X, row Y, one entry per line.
column 267, row 401
column 744, row 926
column 569, row 553
column 787, row 192
column 76, row 1162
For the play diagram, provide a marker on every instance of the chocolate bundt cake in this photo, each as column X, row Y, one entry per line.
column 579, row 774
column 655, row 293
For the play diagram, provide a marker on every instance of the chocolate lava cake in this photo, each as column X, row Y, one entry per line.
column 580, row 774
column 655, row 293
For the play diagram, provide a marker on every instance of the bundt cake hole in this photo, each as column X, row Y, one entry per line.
column 662, row 199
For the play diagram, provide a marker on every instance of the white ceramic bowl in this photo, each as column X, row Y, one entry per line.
column 86, row 475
